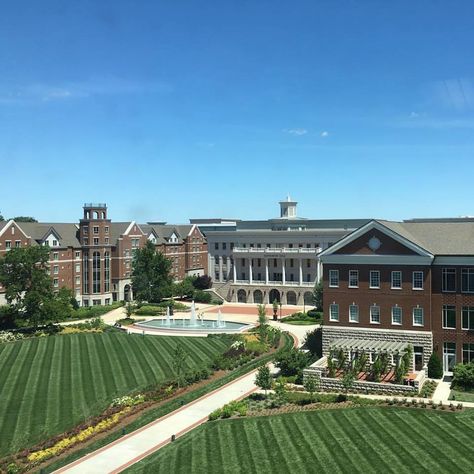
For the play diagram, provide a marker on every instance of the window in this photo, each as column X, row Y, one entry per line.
column 85, row 230
column 467, row 280
column 17, row 244
column 224, row 245
column 8, row 244
column 106, row 272
column 468, row 318
column 375, row 314
column 417, row 280
column 334, row 312
column 106, row 240
column 224, row 260
column 216, row 246
column 106, row 229
column 353, row 313
column 96, row 272
column 418, row 317
column 55, row 256
column 56, row 269
column 96, row 241
column 308, row 263
column 448, row 279
column 449, row 316
column 95, row 229
column 135, row 243
column 78, row 281
column 353, row 278
column 396, row 315
column 467, row 353
column 334, row 278
column 216, row 259
column 78, row 255
column 374, row 279
column 55, row 243
column 292, row 263
column 396, row 279
column 55, row 283
column 78, row 268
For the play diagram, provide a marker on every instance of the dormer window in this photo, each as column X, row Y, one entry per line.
column 55, row 243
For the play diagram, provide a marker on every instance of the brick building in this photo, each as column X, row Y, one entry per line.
column 410, row 281
column 94, row 256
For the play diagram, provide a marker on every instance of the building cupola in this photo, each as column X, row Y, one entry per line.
column 288, row 208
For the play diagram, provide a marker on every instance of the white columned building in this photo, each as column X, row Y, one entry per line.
column 274, row 259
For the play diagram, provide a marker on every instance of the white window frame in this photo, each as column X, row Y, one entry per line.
column 392, row 286
column 371, row 314
column 356, row 273
column 422, row 280
column 331, row 317
column 471, row 315
column 357, row 313
column 331, row 273
column 418, row 308
column 444, row 274
column 444, row 318
column 370, row 279
column 394, row 323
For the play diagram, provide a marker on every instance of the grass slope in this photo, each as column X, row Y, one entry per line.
column 365, row 440
column 48, row 385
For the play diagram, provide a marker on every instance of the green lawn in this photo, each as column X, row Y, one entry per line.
column 461, row 396
column 48, row 385
column 365, row 440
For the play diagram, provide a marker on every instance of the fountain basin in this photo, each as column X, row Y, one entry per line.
column 204, row 325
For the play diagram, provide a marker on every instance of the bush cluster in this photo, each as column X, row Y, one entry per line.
column 463, row 376
column 237, row 408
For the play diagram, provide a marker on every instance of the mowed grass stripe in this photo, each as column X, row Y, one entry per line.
column 120, row 358
column 34, row 386
column 144, row 359
column 380, row 440
column 66, row 406
column 99, row 373
column 14, row 386
column 10, row 361
column 90, row 394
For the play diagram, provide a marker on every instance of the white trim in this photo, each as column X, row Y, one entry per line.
column 422, row 280
column 349, row 279
column 385, row 230
column 401, row 315
column 375, row 259
column 370, row 280
column 7, row 226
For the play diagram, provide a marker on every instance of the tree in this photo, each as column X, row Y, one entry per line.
column 203, row 282
column 264, row 378
column 281, row 392
column 1, row 218
column 291, row 362
column 318, row 295
column 28, row 286
column 435, row 367
column 311, row 385
column 129, row 308
column 151, row 280
column 184, row 288
column 24, row 219
column 262, row 322
column 348, row 380
column 463, row 376
column 179, row 362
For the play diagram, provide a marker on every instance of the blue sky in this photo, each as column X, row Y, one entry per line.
column 169, row 110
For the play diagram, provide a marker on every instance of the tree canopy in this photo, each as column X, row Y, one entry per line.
column 24, row 273
column 151, row 279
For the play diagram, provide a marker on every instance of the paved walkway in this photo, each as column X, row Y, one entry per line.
column 131, row 448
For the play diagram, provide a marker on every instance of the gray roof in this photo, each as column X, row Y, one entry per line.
column 68, row 234
column 308, row 224
column 117, row 229
column 3, row 224
column 438, row 238
column 164, row 232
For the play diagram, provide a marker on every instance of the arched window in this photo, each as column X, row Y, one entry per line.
column 85, row 269
column 96, row 272
column 106, row 272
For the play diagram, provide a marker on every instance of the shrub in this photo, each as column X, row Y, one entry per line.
column 201, row 296
column 435, row 367
column 314, row 342
column 463, row 376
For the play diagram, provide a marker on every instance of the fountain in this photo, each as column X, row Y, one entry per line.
column 195, row 323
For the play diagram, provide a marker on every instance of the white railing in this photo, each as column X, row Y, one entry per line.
column 277, row 250
column 272, row 283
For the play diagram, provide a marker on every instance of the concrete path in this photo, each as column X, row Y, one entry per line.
column 131, row 448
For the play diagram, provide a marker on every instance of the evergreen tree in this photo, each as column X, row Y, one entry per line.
column 435, row 367
column 318, row 295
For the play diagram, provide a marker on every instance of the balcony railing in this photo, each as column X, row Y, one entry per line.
column 277, row 250
column 272, row 283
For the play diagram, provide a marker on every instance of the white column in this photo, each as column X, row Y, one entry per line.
column 319, row 270
column 301, row 270
column 283, row 271
column 220, row 268
column 266, row 271
column 235, row 270
column 250, row 271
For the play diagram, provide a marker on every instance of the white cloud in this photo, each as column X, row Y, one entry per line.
column 414, row 114
column 324, row 134
column 296, row 131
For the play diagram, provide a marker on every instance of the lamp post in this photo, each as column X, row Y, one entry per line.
column 280, row 310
